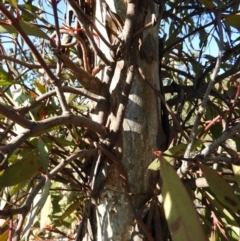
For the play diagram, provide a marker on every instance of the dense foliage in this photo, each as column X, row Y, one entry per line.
column 51, row 84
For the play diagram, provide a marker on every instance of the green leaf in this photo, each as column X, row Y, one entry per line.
column 177, row 150
column 233, row 20
column 20, row 95
column 207, row 3
column 20, row 171
column 4, row 235
column 236, row 171
column 43, row 159
column 225, row 215
column 63, row 141
column 45, row 212
column 179, row 210
column 13, row 3
column 14, row 189
column 70, row 209
column 5, row 78
column 29, row 12
column 69, row 97
column 41, row 88
column 28, row 28
column 37, row 205
column 237, row 142
column 81, row 107
column 221, row 189
column 155, row 165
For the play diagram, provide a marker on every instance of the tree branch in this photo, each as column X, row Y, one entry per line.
column 67, row 89
column 77, row 12
column 185, row 165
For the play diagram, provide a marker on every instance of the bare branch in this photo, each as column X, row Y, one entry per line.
column 77, row 12
column 185, row 165
column 67, row 89
column 11, row 115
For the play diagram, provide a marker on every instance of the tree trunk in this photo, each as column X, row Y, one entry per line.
column 129, row 185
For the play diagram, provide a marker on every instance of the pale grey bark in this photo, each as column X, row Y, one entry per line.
column 141, row 130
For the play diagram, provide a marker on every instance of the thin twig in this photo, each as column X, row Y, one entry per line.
column 35, row 128
column 27, row 205
column 226, row 135
column 185, row 165
column 77, row 12
column 67, row 89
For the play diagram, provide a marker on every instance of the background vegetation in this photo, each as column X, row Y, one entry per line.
column 67, row 84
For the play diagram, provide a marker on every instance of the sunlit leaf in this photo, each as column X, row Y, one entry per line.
column 236, row 141
column 4, row 235
column 28, row 28
column 41, row 88
column 221, row 189
column 5, row 78
column 179, row 210
column 22, row 170
column 69, row 97
column 236, row 171
column 45, row 212
column 37, row 205
column 176, row 150
column 13, row 3
column 82, row 107
column 155, row 165
column 224, row 214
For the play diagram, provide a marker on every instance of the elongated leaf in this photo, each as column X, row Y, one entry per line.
column 225, row 215
column 29, row 12
column 13, row 3
column 14, row 189
column 4, row 236
column 20, row 171
column 155, row 165
column 45, row 212
column 29, row 29
column 71, row 208
column 38, row 204
column 62, row 141
column 43, row 159
column 180, row 213
column 221, row 189
column 236, row 171
column 179, row 149
column 233, row 20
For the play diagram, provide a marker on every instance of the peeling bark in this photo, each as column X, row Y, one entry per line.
column 114, row 209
